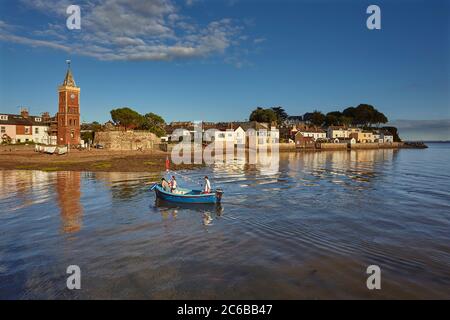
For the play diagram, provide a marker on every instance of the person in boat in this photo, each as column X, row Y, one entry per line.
column 207, row 186
column 165, row 185
column 173, row 184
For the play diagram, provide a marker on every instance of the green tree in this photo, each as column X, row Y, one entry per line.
column 333, row 118
column 379, row 118
column 127, row 118
column 345, row 121
column 263, row 115
column 364, row 115
column 317, row 118
column 154, row 123
column 281, row 114
column 350, row 113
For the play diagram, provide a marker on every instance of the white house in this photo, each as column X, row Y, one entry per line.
column 313, row 133
column 216, row 135
column 274, row 135
column 239, row 136
column 377, row 137
column 260, row 133
column 387, row 137
column 337, row 132
column 40, row 131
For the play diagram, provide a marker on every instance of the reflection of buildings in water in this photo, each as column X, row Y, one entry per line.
column 354, row 164
column 68, row 195
column 26, row 186
column 263, row 161
column 268, row 163
column 16, row 183
column 366, row 160
column 231, row 165
column 125, row 185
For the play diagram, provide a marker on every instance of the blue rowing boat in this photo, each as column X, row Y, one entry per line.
column 187, row 195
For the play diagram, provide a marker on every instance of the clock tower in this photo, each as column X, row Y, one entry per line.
column 68, row 115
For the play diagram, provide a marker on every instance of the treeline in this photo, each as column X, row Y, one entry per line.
column 364, row 115
column 130, row 119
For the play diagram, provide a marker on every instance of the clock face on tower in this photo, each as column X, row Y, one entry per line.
column 72, row 96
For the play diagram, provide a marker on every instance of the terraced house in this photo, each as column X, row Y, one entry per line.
column 24, row 128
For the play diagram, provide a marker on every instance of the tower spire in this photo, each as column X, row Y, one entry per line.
column 68, row 79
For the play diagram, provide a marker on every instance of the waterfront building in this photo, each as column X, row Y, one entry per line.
column 337, row 132
column 363, row 136
column 387, row 137
column 239, row 136
column 377, row 137
column 314, row 133
column 304, row 142
column 23, row 128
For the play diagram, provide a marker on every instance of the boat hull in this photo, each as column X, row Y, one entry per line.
column 193, row 196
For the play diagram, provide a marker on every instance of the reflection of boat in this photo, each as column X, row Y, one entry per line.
column 201, row 207
column 187, row 195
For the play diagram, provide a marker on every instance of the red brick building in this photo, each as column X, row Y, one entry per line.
column 68, row 116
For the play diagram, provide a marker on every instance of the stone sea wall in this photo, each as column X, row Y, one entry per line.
column 126, row 140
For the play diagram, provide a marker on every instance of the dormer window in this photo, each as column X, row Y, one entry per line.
column 37, row 119
column 3, row 117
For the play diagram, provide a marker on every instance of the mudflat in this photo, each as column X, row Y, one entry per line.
column 16, row 158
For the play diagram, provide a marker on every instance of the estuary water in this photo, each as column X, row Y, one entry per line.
column 307, row 228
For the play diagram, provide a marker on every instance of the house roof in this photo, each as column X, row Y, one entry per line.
column 252, row 125
column 17, row 119
column 14, row 119
column 298, row 118
column 313, row 130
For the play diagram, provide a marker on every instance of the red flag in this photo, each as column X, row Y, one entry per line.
column 167, row 164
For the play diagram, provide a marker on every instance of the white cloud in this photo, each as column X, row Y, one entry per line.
column 129, row 30
column 259, row 40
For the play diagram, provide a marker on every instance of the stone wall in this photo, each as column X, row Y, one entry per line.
column 331, row 146
column 286, row 146
column 374, row 145
column 126, row 140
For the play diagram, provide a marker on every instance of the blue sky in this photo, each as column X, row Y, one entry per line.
column 217, row 60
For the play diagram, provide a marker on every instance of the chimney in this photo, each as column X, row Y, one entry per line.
column 24, row 112
column 45, row 116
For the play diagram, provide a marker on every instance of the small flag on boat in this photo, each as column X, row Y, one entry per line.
column 167, row 164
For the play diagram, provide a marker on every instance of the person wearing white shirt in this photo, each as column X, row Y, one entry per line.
column 173, row 184
column 207, row 186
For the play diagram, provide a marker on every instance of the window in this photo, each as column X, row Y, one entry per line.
column 3, row 130
column 36, row 130
column 3, row 117
column 72, row 134
column 27, row 130
column 37, row 119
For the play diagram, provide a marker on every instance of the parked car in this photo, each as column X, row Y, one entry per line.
column 99, row 146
